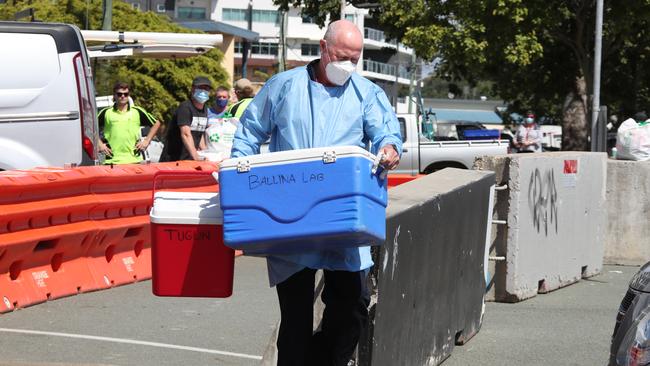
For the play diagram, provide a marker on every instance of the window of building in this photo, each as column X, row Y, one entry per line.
column 308, row 20
column 187, row 12
column 349, row 17
column 264, row 48
column 266, row 16
column 160, row 8
column 307, row 49
column 259, row 48
column 136, row 6
column 236, row 15
column 259, row 16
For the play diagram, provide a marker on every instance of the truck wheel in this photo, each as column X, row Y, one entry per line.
column 442, row 165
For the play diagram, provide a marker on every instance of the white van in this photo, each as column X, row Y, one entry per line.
column 47, row 97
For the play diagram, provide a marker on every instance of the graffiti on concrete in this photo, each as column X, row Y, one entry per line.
column 542, row 200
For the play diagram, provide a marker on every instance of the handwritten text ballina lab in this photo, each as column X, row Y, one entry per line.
column 257, row 181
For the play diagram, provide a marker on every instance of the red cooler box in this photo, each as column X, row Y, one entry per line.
column 188, row 255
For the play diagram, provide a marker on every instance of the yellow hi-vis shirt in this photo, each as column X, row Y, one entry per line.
column 237, row 109
column 122, row 131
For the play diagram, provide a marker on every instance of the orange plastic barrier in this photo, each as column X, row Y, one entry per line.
column 122, row 253
column 66, row 231
column 45, row 263
column 43, row 213
column 27, row 185
column 397, row 179
column 43, row 197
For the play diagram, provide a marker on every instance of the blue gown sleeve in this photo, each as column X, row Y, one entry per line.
column 380, row 123
column 255, row 124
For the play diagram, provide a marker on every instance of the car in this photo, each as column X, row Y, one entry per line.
column 631, row 338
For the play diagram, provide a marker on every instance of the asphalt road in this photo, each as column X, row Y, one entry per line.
column 148, row 326
column 129, row 326
column 569, row 327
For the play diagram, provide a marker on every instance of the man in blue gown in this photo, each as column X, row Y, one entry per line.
column 322, row 104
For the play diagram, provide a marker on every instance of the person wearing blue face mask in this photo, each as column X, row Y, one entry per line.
column 528, row 138
column 220, row 107
column 218, row 137
column 186, row 129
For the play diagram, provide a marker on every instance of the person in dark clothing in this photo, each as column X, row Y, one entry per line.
column 188, row 125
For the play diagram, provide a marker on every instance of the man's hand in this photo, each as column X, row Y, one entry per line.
column 188, row 141
column 391, row 157
column 142, row 145
column 104, row 149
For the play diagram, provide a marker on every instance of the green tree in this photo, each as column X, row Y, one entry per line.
column 157, row 85
column 538, row 54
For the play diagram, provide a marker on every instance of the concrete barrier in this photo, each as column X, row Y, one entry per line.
column 554, row 206
column 628, row 204
column 428, row 277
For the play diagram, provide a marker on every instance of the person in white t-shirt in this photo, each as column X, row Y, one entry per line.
column 221, row 128
column 528, row 138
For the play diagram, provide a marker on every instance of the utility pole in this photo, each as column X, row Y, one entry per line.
column 412, row 82
column 87, row 6
column 595, row 105
column 107, row 14
column 247, row 44
column 282, row 46
column 396, row 84
column 342, row 9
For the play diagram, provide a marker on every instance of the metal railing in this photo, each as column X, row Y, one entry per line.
column 374, row 34
column 403, row 72
column 386, row 69
column 378, row 67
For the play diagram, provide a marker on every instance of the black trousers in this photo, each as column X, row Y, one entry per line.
column 346, row 300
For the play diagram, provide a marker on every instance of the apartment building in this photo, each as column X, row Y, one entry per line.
column 383, row 61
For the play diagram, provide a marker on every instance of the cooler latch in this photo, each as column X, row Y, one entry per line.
column 329, row 157
column 243, row 166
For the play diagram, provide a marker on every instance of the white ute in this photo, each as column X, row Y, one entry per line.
column 420, row 155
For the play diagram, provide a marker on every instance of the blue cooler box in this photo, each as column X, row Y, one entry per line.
column 476, row 134
column 302, row 200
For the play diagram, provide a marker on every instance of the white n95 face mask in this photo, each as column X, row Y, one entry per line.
column 338, row 72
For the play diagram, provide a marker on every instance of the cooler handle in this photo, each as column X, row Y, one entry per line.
column 178, row 174
column 375, row 165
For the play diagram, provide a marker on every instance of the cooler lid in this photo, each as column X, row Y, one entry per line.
column 194, row 208
column 327, row 154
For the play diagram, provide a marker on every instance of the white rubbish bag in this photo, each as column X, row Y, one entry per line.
column 218, row 138
column 633, row 141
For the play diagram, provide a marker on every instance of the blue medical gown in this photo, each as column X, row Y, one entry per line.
column 299, row 113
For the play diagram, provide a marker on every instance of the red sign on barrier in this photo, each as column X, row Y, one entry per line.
column 570, row 176
column 571, row 167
